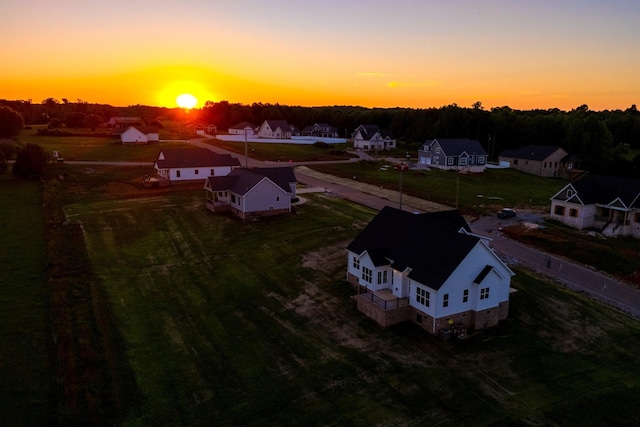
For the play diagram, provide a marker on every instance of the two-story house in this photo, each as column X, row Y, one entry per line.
column 322, row 130
column 429, row 269
column 370, row 137
column 276, row 129
column 456, row 154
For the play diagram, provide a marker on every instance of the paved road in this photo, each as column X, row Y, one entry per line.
column 575, row 276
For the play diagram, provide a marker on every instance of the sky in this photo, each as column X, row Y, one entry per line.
column 371, row 53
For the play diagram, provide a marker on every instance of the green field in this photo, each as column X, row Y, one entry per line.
column 223, row 322
column 481, row 193
column 25, row 373
column 285, row 152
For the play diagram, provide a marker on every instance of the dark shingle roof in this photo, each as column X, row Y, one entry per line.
column 242, row 125
column 605, row 189
column 457, row 146
column 531, row 152
column 240, row 181
column 193, row 158
column 430, row 244
column 282, row 124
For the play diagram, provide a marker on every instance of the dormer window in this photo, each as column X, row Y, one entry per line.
column 569, row 194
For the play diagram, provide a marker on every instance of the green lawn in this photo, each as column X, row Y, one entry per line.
column 250, row 323
column 285, row 152
column 25, row 373
column 480, row 193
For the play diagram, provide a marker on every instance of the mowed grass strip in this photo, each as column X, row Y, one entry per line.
column 278, row 152
column 26, row 384
column 250, row 323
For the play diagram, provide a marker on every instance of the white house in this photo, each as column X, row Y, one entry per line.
column 140, row 135
column 242, row 128
column 276, row 129
column 191, row 164
column 251, row 193
column 456, row 154
column 429, row 269
column 610, row 205
column 370, row 137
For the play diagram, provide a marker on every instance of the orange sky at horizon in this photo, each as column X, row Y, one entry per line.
column 406, row 54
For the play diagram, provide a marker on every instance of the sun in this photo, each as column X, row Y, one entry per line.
column 186, row 101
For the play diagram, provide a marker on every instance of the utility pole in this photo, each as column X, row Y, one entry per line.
column 246, row 154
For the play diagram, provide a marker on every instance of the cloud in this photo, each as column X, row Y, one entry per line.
column 413, row 84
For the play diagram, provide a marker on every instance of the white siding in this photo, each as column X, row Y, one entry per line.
column 187, row 174
column 265, row 195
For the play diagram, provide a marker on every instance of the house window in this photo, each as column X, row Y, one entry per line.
column 559, row 210
column 515, row 161
column 569, row 194
column 526, row 162
column 366, row 274
column 277, row 198
column 382, row 277
column 463, row 161
column 212, row 172
column 545, row 165
column 636, row 217
column 356, row 263
column 465, row 295
column 484, row 293
column 445, row 300
column 481, row 160
column 422, row 296
column 573, row 212
column 556, row 166
column 196, row 171
column 233, row 198
column 437, row 150
column 449, row 161
column 177, row 174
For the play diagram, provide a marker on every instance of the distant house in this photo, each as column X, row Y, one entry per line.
column 322, row 130
column 457, row 154
column 610, row 205
column 251, row 193
column 203, row 129
column 276, row 129
column 179, row 165
column 140, row 135
column 242, row 128
column 541, row 160
column 370, row 137
column 119, row 124
column 428, row 269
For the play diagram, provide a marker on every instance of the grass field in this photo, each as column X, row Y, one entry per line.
column 25, row 373
column 483, row 193
column 285, row 152
column 223, row 322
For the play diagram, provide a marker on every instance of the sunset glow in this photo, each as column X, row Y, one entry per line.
column 186, row 101
column 405, row 53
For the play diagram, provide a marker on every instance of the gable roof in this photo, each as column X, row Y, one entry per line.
column 531, row 152
column 169, row 158
column 240, row 181
column 243, row 125
column 605, row 189
column 282, row 124
column 145, row 129
column 457, row 146
column 368, row 131
column 430, row 244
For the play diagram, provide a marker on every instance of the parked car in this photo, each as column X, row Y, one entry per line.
column 506, row 213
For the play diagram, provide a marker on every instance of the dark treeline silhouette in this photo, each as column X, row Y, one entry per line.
column 602, row 139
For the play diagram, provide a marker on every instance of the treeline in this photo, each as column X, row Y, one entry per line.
column 604, row 140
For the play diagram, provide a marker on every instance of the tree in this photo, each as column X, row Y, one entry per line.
column 30, row 161
column 92, row 121
column 11, row 122
column 74, row 120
